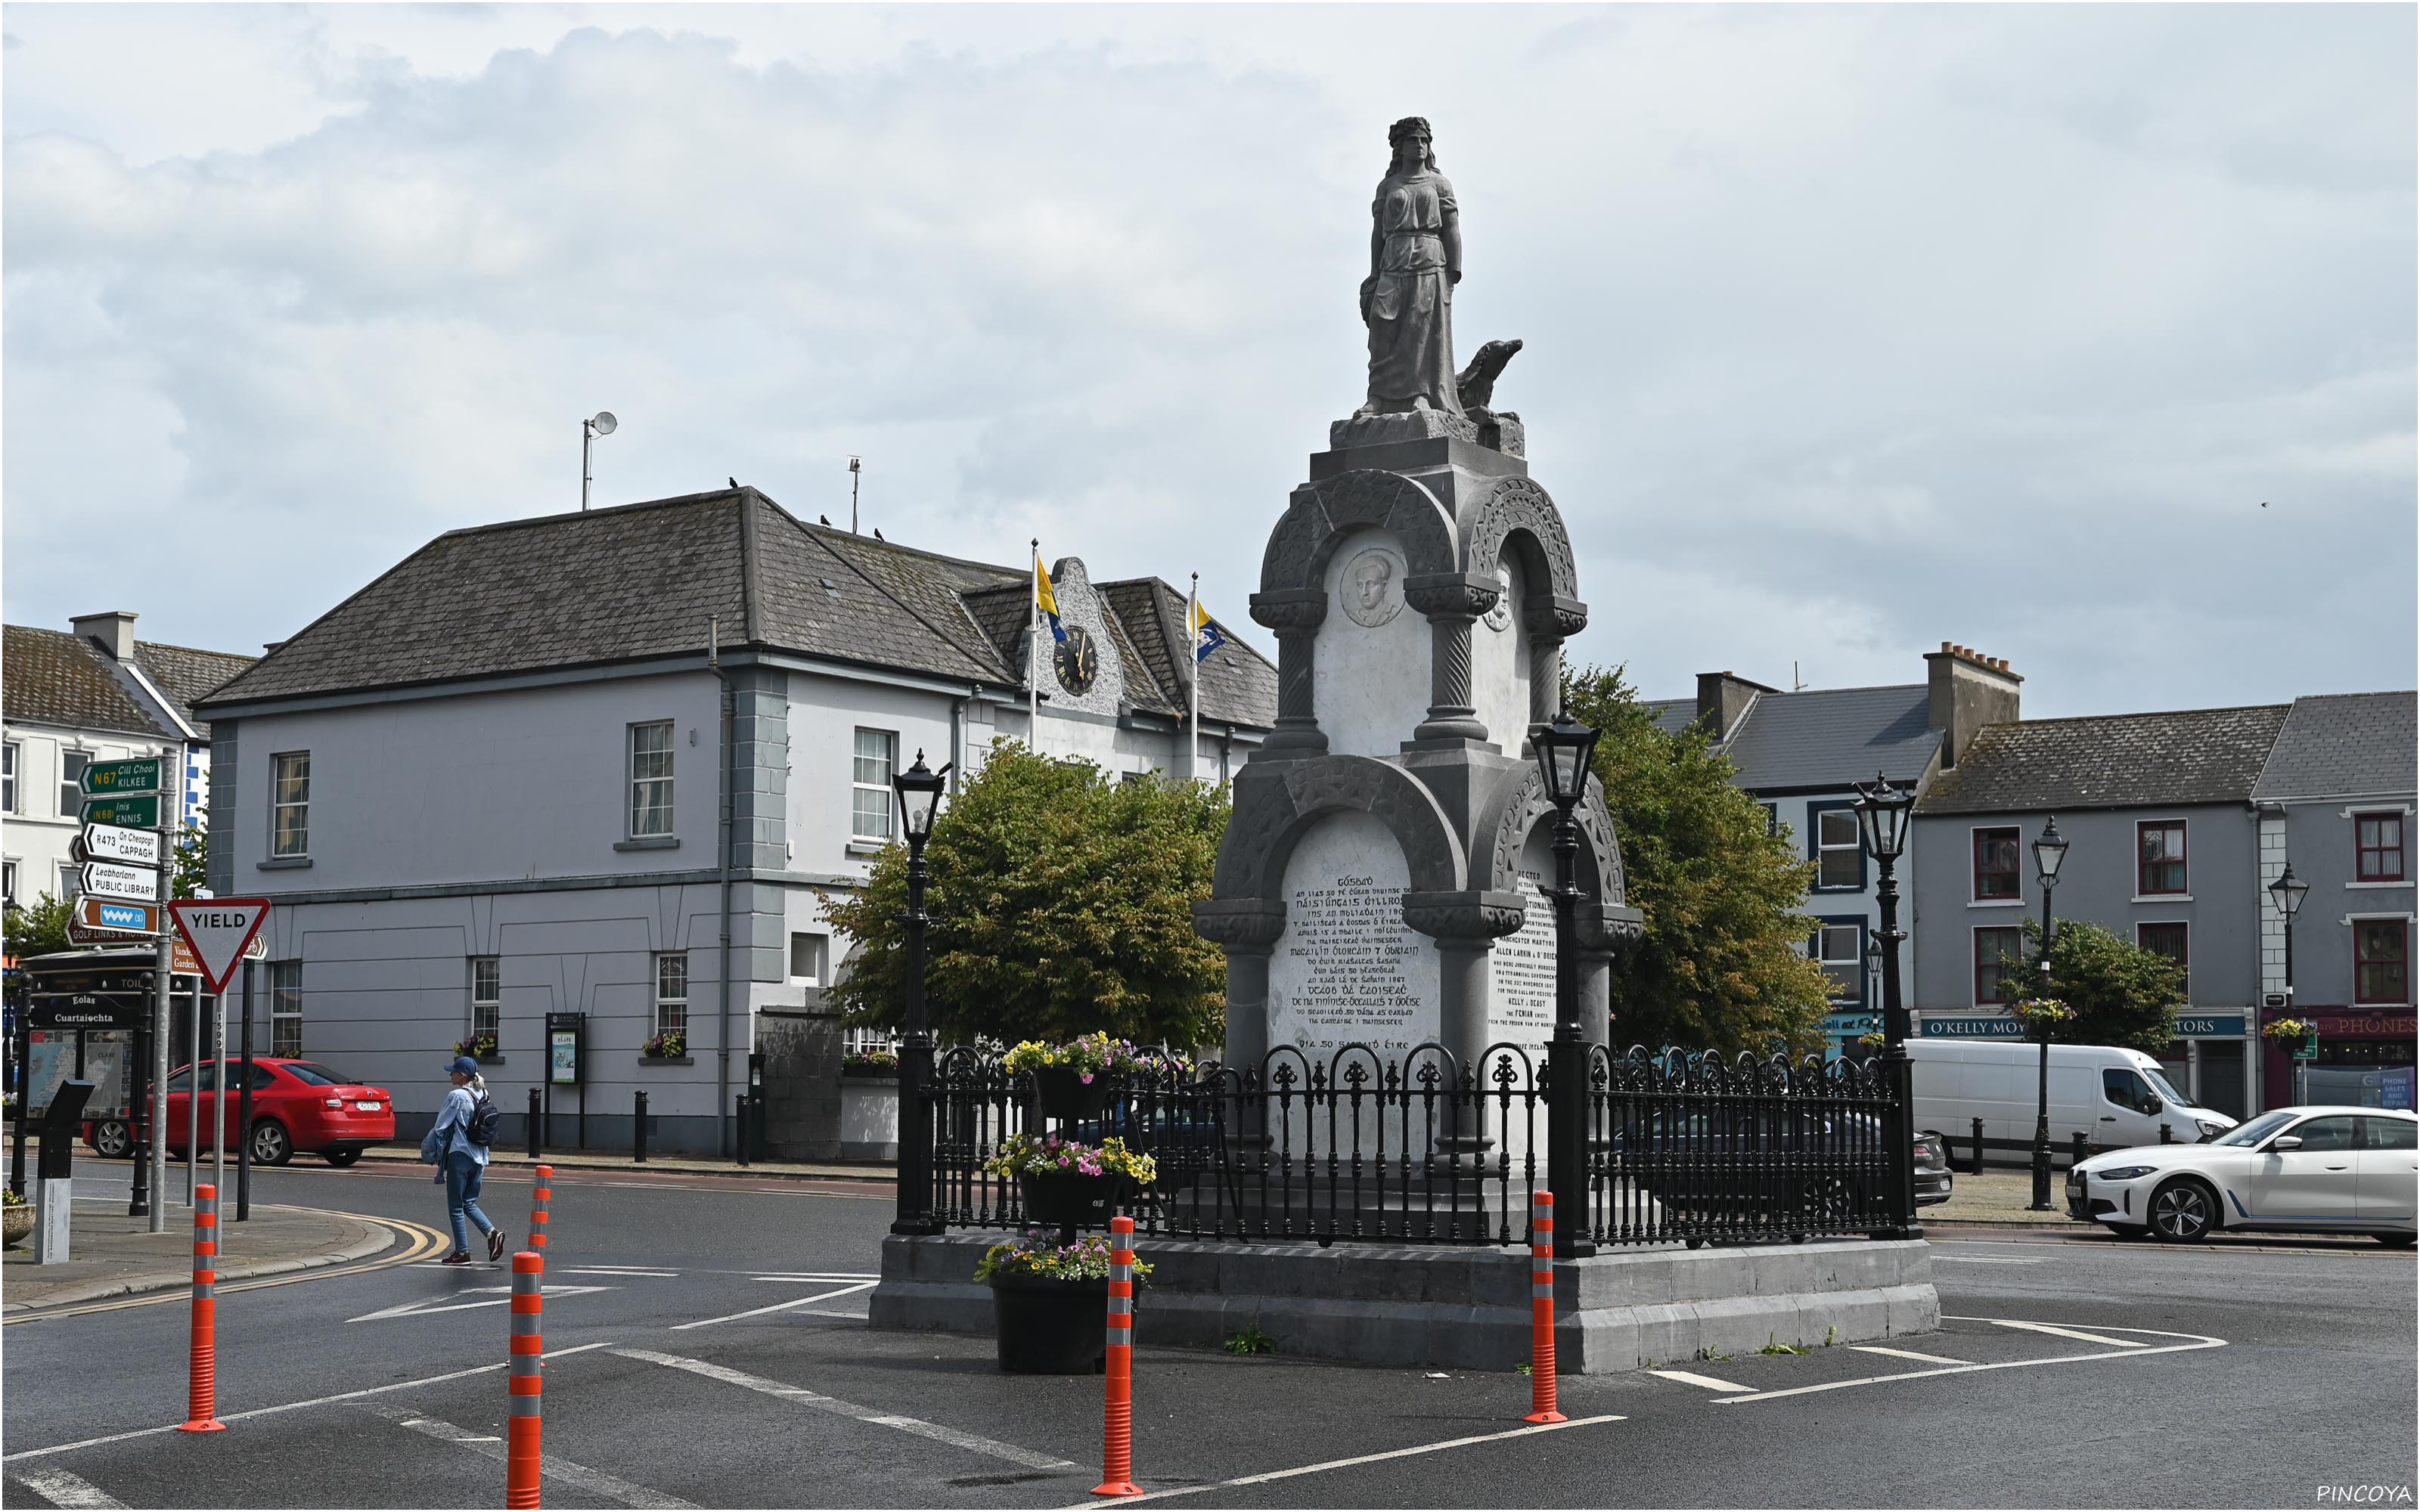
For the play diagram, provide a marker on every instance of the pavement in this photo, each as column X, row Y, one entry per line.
column 706, row 1345
column 2003, row 1200
column 501, row 1158
column 115, row 1254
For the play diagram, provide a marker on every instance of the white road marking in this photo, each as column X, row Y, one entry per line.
column 415, row 1309
column 1983, row 1259
column 820, row 1275
column 289, row 1407
column 61, row 1488
column 1907, row 1354
column 827, row 1312
column 864, row 1415
column 2200, row 1341
column 1267, row 1476
column 614, row 1487
column 779, row 1306
column 2066, row 1332
column 615, row 1270
column 1691, row 1379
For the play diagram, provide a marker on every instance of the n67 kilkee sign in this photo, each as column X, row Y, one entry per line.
column 102, row 778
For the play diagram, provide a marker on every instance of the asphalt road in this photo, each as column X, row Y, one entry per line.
column 708, row 1347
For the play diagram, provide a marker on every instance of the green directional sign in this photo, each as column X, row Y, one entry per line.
column 135, row 814
column 142, row 776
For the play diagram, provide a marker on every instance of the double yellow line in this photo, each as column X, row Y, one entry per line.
column 419, row 1241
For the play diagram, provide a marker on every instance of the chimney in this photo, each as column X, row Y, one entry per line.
column 1722, row 698
column 1963, row 691
column 113, row 632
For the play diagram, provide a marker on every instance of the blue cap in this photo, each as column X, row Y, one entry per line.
column 464, row 1065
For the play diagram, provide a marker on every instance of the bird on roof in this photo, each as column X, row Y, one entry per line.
column 823, row 519
column 877, row 532
column 734, row 483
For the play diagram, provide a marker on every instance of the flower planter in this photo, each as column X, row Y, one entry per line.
column 19, row 1222
column 1069, row 1200
column 1048, row 1327
column 1062, row 1096
column 869, row 1117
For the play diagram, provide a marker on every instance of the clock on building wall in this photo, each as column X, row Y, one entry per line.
column 1076, row 662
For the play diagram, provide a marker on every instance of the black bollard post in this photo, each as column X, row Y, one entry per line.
column 638, row 1127
column 533, row 1125
column 1978, row 1147
column 2076, row 1155
column 741, row 1142
column 2163, row 1134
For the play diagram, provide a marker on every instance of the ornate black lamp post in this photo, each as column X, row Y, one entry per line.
column 920, row 794
column 2288, row 892
column 2050, row 851
column 1882, row 824
column 1564, row 750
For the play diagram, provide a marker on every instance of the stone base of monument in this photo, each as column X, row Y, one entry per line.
column 1467, row 1308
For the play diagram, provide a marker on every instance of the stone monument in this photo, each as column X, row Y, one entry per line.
column 1381, row 881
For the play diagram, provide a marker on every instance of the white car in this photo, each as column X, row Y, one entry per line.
column 2314, row 1169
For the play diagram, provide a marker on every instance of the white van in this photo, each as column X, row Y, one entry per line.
column 2117, row 1097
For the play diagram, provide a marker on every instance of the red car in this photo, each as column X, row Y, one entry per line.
column 295, row 1105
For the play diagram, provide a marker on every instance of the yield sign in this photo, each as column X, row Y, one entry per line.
column 217, row 930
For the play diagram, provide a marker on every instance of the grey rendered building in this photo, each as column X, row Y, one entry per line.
column 2162, row 850
column 490, row 786
column 1801, row 754
column 2335, row 799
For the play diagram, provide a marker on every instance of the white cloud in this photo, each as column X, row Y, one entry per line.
column 1849, row 330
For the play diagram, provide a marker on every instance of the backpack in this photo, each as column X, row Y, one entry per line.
column 485, row 1116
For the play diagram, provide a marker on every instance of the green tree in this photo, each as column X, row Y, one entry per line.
column 191, row 872
column 2122, row 993
column 1061, row 904
column 38, row 929
column 1722, row 965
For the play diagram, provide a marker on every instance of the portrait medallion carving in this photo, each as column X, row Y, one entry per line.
column 1372, row 587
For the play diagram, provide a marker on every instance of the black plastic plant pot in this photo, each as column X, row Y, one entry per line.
column 1061, row 1095
column 1069, row 1200
column 1049, row 1327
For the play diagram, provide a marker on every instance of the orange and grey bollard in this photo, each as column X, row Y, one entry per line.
column 201, row 1404
column 528, row 1387
column 1541, row 1310
column 1117, row 1429
column 539, row 1195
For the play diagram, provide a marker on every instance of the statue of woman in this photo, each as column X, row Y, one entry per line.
column 1407, row 299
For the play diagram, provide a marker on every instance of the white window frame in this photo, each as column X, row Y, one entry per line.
column 631, row 818
column 2352, row 957
column 285, row 1008
column 494, row 1004
column 819, row 947
column 70, row 881
column 279, row 805
column 858, row 788
column 12, row 756
column 1855, row 847
column 1855, row 960
column 70, row 784
column 663, row 999
column 9, row 878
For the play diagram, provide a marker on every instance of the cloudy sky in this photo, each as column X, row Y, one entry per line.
column 1850, row 331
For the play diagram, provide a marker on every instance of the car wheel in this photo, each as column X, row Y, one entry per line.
column 2395, row 1241
column 113, row 1139
column 2183, row 1212
column 270, row 1144
column 341, row 1157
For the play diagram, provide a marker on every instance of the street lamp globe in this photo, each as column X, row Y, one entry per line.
column 920, row 794
column 1882, row 818
column 1563, row 751
column 2287, row 890
column 2050, row 850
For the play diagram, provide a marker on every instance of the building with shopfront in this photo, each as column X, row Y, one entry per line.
column 599, row 770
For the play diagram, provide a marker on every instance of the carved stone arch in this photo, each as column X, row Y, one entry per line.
column 1517, row 514
column 1523, row 804
column 1321, row 514
column 1273, row 813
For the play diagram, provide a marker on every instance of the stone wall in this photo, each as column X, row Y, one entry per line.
column 802, row 1049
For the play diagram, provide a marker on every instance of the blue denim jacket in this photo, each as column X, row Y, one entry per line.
column 450, row 1136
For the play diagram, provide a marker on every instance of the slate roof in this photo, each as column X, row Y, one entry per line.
column 1831, row 737
column 2118, row 761
column 57, row 677
column 1672, row 716
column 641, row 580
column 1238, row 683
column 2344, row 744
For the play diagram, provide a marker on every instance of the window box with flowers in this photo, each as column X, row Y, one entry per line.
column 481, row 1048
column 1048, row 1301
column 669, row 1048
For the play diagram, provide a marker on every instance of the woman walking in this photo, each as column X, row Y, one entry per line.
column 462, row 1159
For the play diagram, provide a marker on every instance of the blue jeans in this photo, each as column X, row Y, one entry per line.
column 462, row 1178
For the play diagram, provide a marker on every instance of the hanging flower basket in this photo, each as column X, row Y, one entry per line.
column 1075, row 1079
column 1067, row 1184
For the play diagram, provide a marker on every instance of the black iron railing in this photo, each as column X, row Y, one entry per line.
column 1428, row 1150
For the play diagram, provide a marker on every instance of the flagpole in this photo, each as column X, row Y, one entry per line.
column 1034, row 653
column 1193, row 684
